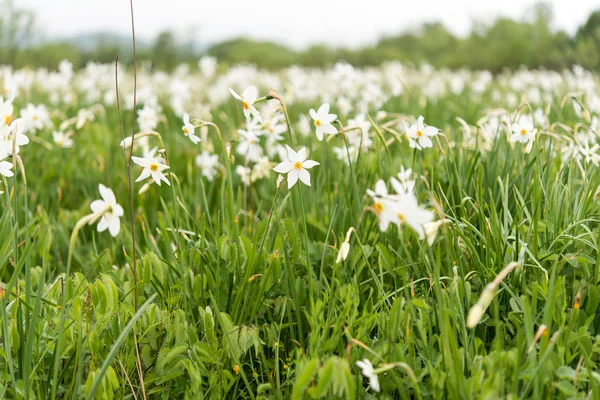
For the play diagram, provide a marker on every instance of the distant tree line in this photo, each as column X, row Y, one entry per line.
column 503, row 44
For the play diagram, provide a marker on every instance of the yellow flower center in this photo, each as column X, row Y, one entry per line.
column 523, row 131
column 317, row 122
column 419, row 133
column 6, row 119
column 378, row 207
column 153, row 167
column 271, row 130
column 35, row 117
column 298, row 165
column 245, row 105
column 402, row 218
column 186, row 131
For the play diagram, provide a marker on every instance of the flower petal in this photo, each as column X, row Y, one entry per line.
column 292, row 178
column 304, row 176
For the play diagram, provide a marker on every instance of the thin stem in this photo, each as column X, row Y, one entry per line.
column 308, row 266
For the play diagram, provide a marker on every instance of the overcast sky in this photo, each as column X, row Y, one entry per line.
column 296, row 22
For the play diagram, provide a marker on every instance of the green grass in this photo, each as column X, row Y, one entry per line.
column 248, row 301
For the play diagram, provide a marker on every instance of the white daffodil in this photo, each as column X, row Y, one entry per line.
column 322, row 120
column 148, row 118
column 6, row 111
column 419, row 135
column 431, row 229
column 12, row 136
column 249, row 97
column 152, row 167
column 188, row 129
column 523, row 130
column 62, row 140
column 369, row 372
column 403, row 184
column 408, row 212
column 36, row 117
column 249, row 145
column 208, row 164
column 5, row 169
column 109, row 209
column 296, row 167
column 384, row 205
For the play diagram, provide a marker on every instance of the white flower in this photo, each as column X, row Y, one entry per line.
column 403, row 184
column 523, row 130
column 248, row 99
column 262, row 169
column 83, row 116
column 208, row 164
column 109, row 209
column 36, row 118
column 62, row 140
column 12, row 135
column 152, row 167
column 323, row 120
column 249, row 146
column 345, row 247
column 147, row 118
column 245, row 173
column 419, row 135
column 188, row 129
column 5, row 169
column 296, row 166
column 6, row 111
column 369, row 372
column 208, row 66
column 431, row 229
column 408, row 212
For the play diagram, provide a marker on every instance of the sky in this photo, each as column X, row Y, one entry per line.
column 350, row 23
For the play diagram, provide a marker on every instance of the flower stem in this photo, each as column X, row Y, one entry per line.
column 308, row 266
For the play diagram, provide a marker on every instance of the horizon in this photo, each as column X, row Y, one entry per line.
column 345, row 30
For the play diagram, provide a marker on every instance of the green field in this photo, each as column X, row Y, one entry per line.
column 454, row 256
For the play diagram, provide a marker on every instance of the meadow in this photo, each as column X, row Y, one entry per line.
column 342, row 233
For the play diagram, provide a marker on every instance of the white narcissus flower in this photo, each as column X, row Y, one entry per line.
column 62, row 140
column 249, row 97
column 152, row 167
column 419, row 135
column 408, row 212
column 208, row 164
column 5, row 169
column 188, row 129
column 323, row 120
column 12, row 135
column 431, row 229
column 36, row 117
column 109, row 210
column 296, row 167
column 6, row 111
column 523, row 131
column 369, row 372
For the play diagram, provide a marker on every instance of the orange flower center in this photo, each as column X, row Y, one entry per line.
column 402, row 218
column 318, row 122
column 523, row 131
column 186, row 131
column 298, row 165
column 245, row 105
column 419, row 133
column 378, row 207
column 153, row 167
